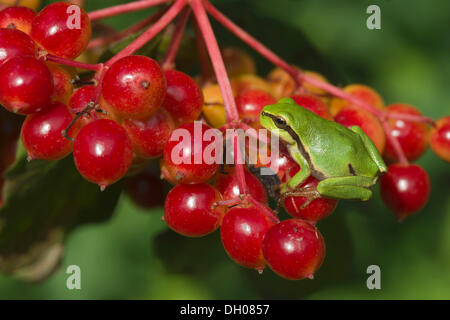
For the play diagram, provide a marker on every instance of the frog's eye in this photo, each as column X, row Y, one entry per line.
column 280, row 122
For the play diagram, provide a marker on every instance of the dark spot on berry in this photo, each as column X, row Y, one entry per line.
column 145, row 84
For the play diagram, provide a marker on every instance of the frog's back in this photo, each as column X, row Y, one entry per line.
column 338, row 151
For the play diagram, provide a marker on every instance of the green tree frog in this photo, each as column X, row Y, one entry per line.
column 345, row 161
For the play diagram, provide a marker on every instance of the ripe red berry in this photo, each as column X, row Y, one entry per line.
column 313, row 104
column 317, row 210
column 189, row 209
column 149, row 137
column 251, row 102
column 294, row 249
column 189, row 159
column 134, row 87
column 184, row 98
column 81, row 98
column 62, row 29
column 26, row 85
column 440, row 138
column 405, row 189
column 242, row 232
column 283, row 161
column 14, row 43
column 228, row 186
column 350, row 117
column 102, row 152
column 145, row 189
column 17, row 17
column 42, row 133
column 61, row 80
column 412, row 136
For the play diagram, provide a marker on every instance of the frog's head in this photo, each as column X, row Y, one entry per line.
column 279, row 118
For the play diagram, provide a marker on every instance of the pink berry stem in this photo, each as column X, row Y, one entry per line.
column 299, row 77
column 169, row 60
column 124, row 8
column 101, row 41
column 71, row 63
column 238, row 163
column 227, row 93
column 251, row 41
column 228, row 203
column 150, row 33
column 395, row 144
column 410, row 117
column 217, row 60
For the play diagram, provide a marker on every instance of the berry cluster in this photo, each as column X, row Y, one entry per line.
column 134, row 108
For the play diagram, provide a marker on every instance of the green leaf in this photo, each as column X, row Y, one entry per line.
column 44, row 202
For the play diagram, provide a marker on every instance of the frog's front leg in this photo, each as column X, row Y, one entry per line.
column 349, row 188
column 290, row 189
column 301, row 175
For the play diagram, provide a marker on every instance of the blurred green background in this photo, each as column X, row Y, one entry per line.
column 134, row 256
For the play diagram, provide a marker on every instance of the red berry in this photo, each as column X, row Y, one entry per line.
column 251, row 102
column 145, row 189
column 149, row 137
column 189, row 209
column 349, row 117
column 283, row 161
column 62, row 29
column 313, row 104
column 317, row 210
column 42, row 133
column 14, row 43
column 228, row 186
column 102, row 152
column 186, row 156
column 134, row 87
column 16, row 17
column 81, row 98
column 26, row 85
column 440, row 138
column 61, row 81
column 405, row 189
column 242, row 232
column 184, row 98
column 412, row 136
column 294, row 249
